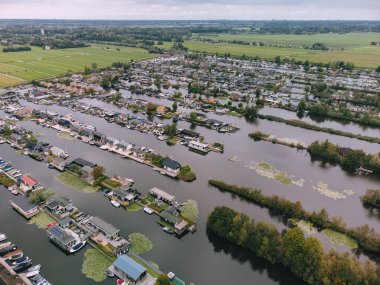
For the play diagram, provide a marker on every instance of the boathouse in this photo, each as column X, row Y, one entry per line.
column 125, row 267
column 103, row 227
column 24, row 207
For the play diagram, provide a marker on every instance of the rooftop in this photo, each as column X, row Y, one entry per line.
column 60, row 234
column 162, row 193
column 104, row 226
column 129, row 266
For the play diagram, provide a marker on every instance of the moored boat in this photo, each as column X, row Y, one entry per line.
column 77, row 246
column 5, row 244
column 168, row 230
column 14, row 255
column 3, row 237
column 115, row 203
column 109, row 273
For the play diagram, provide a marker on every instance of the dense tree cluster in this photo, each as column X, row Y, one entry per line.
column 16, row 49
column 367, row 237
column 348, row 159
column 303, row 256
column 371, row 198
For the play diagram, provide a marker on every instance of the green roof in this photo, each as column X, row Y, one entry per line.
column 178, row 281
column 169, row 217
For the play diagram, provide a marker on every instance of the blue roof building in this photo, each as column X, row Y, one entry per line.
column 126, row 268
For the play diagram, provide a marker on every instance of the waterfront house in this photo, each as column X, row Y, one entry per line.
column 28, row 183
column 63, row 238
column 86, row 174
column 76, row 127
column 138, row 152
column 172, row 217
column 82, row 162
column 64, row 123
column 60, row 206
column 188, row 134
column 171, row 165
column 126, row 268
column 162, row 195
column 24, row 207
column 59, row 163
column 56, row 151
column 111, row 141
column 123, row 145
column 198, row 146
column 99, row 137
column 16, row 139
column 103, row 227
column 87, row 132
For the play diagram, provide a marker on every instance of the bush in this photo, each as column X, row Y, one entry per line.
column 186, row 174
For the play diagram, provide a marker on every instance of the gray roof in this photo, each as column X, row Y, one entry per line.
column 83, row 162
column 171, row 163
column 104, row 226
column 23, row 203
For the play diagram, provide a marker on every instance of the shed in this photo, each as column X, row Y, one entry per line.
column 126, row 268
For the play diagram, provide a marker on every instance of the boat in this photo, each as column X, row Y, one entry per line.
column 109, row 273
column 5, row 244
column 77, row 246
column 19, row 261
column 14, row 255
column 115, row 203
column 168, row 230
column 121, row 282
column 148, row 210
column 22, row 267
column 7, row 249
column 3, row 237
column 32, row 271
column 39, row 280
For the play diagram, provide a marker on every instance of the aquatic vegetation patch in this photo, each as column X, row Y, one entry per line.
column 340, row 238
column 324, row 189
column 140, row 244
column 234, row 158
column 95, row 264
column 41, row 220
column 307, row 227
column 75, row 182
column 190, row 210
column 267, row 170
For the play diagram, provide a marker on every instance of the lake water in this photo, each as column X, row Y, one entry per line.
column 199, row 257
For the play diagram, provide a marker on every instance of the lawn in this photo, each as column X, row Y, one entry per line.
column 18, row 67
column 95, row 265
column 134, row 207
column 362, row 56
column 75, row 182
column 41, row 220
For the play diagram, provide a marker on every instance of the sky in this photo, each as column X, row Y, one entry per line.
column 191, row 9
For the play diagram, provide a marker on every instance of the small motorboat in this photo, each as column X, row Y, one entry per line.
column 168, row 230
column 115, row 203
column 32, row 271
column 120, row 282
column 109, row 273
column 14, row 255
column 19, row 261
column 77, row 246
column 7, row 249
column 39, row 280
column 22, row 267
column 3, row 237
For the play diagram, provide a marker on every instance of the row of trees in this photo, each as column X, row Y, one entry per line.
column 16, row 49
column 303, row 256
column 371, row 198
column 348, row 159
column 367, row 237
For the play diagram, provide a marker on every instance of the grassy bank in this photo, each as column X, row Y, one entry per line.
column 95, row 265
column 75, row 182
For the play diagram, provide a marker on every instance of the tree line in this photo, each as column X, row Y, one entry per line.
column 16, row 49
column 304, row 257
column 349, row 159
column 371, row 198
column 366, row 237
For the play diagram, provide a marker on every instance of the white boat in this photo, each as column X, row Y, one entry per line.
column 2, row 141
column 78, row 246
column 3, row 237
column 115, row 203
column 148, row 210
column 5, row 244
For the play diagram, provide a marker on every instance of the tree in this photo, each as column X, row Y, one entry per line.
column 163, row 279
column 174, row 106
column 87, row 70
column 151, row 108
column 94, row 65
column 98, row 172
column 157, row 82
column 353, row 160
column 194, row 116
column 7, row 132
column 251, row 114
column 378, row 69
column 170, row 130
column 301, row 106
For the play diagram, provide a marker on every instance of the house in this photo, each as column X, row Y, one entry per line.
column 7, row 95
column 125, row 194
column 344, row 150
column 28, row 183
column 24, row 207
column 99, row 137
column 111, row 141
column 16, row 139
column 126, row 268
column 76, row 128
column 103, row 227
column 64, row 123
column 59, row 163
column 199, row 147
column 171, row 165
column 123, row 145
column 162, row 195
column 60, row 206
column 138, row 152
column 56, row 151
column 86, row 174
column 172, row 217
column 189, row 134
column 82, row 162
column 63, row 238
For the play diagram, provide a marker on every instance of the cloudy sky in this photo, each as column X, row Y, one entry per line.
column 191, row 9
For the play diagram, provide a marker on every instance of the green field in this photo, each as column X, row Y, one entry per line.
column 334, row 41
column 364, row 56
column 19, row 67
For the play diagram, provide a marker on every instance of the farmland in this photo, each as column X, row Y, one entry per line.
column 365, row 57
column 334, row 41
column 20, row 67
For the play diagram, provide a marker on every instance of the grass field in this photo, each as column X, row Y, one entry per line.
column 335, row 41
column 364, row 56
column 19, row 67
